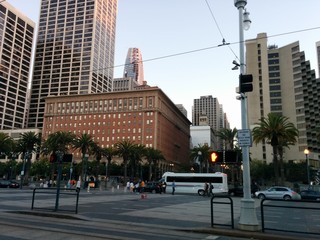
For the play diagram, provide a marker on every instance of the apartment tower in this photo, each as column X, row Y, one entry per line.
column 16, row 37
column 283, row 83
column 209, row 110
column 74, row 52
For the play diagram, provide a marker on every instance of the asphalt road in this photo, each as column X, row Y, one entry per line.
column 121, row 215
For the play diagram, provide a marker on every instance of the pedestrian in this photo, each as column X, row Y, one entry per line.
column 210, row 189
column 164, row 186
column 128, row 185
column 173, row 187
column 78, row 186
column 142, row 186
column 206, row 189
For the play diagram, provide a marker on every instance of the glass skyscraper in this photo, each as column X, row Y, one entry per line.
column 74, row 52
column 134, row 66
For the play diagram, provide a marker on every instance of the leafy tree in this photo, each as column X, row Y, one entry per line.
column 278, row 132
column 40, row 168
column 229, row 136
column 204, row 151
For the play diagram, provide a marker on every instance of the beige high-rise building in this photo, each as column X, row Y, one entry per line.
column 281, row 82
column 16, row 37
column 74, row 53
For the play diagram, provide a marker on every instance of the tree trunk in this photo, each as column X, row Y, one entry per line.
column 125, row 170
column 282, row 178
column 150, row 170
column 275, row 165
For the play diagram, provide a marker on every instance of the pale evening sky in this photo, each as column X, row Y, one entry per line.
column 167, row 28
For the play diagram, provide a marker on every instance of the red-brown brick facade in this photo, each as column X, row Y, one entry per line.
column 145, row 117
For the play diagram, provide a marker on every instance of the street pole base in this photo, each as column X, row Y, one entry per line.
column 248, row 218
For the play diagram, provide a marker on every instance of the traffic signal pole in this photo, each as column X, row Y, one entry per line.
column 248, row 218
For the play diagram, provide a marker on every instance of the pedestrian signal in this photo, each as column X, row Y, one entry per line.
column 214, row 157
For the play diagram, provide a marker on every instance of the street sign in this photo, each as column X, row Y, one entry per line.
column 244, row 138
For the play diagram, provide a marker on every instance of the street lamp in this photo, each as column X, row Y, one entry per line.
column 306, row 152
column 248, row 218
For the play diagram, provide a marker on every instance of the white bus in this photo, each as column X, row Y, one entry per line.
column 194, row 182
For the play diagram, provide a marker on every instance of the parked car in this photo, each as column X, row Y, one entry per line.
column 9, row 184
column 278, row 192
column 310, row 195
column 153, row 187
column 238, row 190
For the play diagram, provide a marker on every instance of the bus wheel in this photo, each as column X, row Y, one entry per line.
column 200, row 192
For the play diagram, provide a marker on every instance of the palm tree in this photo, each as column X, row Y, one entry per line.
column 124, row 150
column 202, row 152
column 5, row 143
column 28, row 143
column 152, row 155
column 58, row 144
column 278, row 132
column 96, row 150
column 108, row 152
column 84, row 143
column 229, row 136
column 135, row 158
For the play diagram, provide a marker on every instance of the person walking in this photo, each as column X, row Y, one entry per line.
column 206, row 189
column 210, row 189
column 173, row 187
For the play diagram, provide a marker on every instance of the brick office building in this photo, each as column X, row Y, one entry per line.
column 145, row 116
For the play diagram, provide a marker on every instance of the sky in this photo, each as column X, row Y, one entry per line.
column 179, row 42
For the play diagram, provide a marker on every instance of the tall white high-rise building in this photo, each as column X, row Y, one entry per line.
column 74, row 53
column 134, row 66
column 16, row 37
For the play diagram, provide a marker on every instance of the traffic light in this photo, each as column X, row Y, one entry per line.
column 214, row 157
column 227, row 156
column 67, row 158
column 245, row 83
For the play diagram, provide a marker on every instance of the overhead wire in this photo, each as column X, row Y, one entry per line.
column 208, row 48
column 219, row 29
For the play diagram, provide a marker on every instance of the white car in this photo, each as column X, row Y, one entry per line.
column 278, row 193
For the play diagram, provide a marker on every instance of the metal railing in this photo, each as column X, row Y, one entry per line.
column 230, row 202
column 53, row 192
